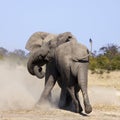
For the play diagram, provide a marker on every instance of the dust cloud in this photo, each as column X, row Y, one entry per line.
column 20, row 90
column 107, row 96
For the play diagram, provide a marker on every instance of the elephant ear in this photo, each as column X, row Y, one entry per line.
column 79, row 52
column 65, row 37
column 37, row 40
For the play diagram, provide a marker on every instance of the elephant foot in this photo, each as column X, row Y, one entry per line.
column 88, row 109
column 42, row 104
column 80, row 110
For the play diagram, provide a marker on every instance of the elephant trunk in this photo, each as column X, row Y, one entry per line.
column 35, row 63
column 34, row 68
column 39, row 72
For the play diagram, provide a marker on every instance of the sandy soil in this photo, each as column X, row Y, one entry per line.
column 57, row 114
column 20, row 91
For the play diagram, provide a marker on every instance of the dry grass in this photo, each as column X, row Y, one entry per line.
column 111, row 79
column 106, row 85
column 107, row 108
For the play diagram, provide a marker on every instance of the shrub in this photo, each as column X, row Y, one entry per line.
column 108, row 59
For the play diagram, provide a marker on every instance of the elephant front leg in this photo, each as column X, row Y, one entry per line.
column 47, row 89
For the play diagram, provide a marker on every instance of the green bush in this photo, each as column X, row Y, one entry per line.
column 108, row 60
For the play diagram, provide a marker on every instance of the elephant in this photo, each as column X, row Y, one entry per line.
column 71, row 60
column 33, row 44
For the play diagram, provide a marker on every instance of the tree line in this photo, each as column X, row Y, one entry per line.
column 17, row 56
column 106, row 59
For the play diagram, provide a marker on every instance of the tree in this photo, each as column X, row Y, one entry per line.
column 3, row 51
column 110, row 50
column 19, row 52
column 108, row 59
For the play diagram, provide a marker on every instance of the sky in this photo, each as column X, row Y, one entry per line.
column 95, row 19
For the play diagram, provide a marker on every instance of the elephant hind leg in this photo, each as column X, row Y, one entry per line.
column 62, row 99
column 72, row 94
column 65, row 99
column 77, row 97
column 82, row 82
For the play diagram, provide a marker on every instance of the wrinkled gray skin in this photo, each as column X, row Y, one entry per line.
column 37, row 40
column 70, row 64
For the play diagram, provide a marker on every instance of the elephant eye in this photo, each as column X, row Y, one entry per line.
column 68, row 39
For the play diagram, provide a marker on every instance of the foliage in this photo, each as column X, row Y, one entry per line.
column 18, row 56
column 108, row 59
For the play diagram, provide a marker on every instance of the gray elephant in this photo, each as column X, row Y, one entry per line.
column 37, row 40
column 71, row 61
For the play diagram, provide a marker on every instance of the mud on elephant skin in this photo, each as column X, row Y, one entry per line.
column 71, row 65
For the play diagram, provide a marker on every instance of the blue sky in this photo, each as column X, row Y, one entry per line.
column 96, row 19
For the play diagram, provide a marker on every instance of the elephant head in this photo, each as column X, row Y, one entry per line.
column 37, row 39
column 45, row 52
column 33, row 44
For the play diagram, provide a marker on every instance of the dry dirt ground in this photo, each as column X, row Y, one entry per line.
column 57, row 114
column 20, row 91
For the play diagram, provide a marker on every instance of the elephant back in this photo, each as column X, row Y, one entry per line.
column 76, row 51
column 79, row 52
